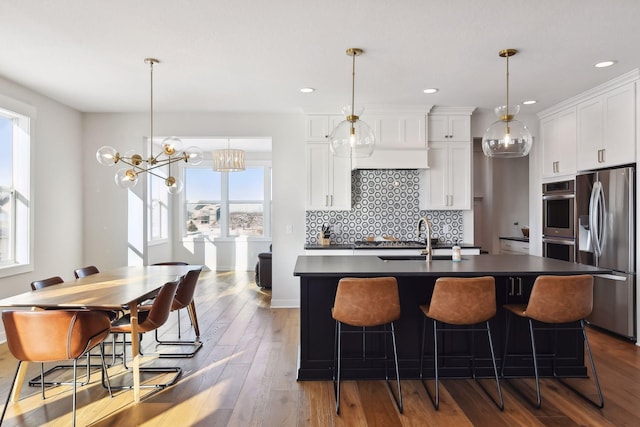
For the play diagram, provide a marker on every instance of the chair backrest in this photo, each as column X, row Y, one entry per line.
column 39, row 284
column 160, row 309
column 186, row 289
column 463, row 300
column 367, row 301
column 171, row 263
column 85, row 271
column 561, row 299
column 50, row 335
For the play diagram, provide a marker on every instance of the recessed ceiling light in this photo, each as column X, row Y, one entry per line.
column 430, row 90
column 307, row 90
column 529, row 102
column 605, row 64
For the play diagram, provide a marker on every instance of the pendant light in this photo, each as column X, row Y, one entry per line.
column 352, row 137
column 507, row 137
column 228, row 160
column 172, row 152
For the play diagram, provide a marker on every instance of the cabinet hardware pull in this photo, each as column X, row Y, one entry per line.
column 519, row 286
column 513, row 286
column 326, row 200
column 331, row 198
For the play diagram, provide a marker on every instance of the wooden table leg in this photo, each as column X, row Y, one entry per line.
column 22, row 373
column 135, row 350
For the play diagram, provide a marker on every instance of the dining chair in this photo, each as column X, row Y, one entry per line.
column 52, row 335
column 183, row 299
column 149, row 320
column 38, row 380
column 366, row 303
column 469, row 302
column 556, row 300
column 85, row 271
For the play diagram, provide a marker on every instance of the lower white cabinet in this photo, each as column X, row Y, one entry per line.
column 328, row 179
column 513, row 247
column 447, row 182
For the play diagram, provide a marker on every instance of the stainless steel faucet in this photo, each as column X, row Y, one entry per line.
column 427, row 251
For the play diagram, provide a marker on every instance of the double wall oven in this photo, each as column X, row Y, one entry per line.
column 558, row 220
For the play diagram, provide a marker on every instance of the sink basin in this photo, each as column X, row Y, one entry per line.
column 414, row 257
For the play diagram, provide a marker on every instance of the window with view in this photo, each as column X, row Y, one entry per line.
column 14, row 192
column 222, row 204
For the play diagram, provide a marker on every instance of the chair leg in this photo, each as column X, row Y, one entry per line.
column 336, row 369
column 13, row 383
column 600, row 404
column 398, row 399
column 435, row 400
column 535, row 364
column 75, row 375
column 196, row 343
column 506, row 344
column 500, row 404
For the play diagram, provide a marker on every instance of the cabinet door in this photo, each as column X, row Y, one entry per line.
column 318, row 127
column 460, row 176
column 548, row 132
column 438, row 128
column 459, row 128
column 339, row 183
column 566, row 142
column 317, row 176
column 436, row 185
column 590, row 133
column 619, row 126
column 401, row 131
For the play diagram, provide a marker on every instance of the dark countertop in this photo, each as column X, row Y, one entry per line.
column 471, row 265
column 517, row 239
column 354, row 246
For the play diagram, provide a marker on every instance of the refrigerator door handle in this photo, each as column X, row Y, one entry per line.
column 612, row 277
column 602, row 219
column 593, row 221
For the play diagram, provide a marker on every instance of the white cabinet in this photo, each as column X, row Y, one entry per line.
column 328, row 179
column 558, row 137
column 449, row 128
column 447, row 183
column 400, row 131
column 606, row 129
column 318, row 126
column 513, row 247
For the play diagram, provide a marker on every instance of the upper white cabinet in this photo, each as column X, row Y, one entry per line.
column 398, row 131
column 318, row 126
column 606, row 129
column 328, row 179
column 558, row 135
column 447, row 182
column 445, row 127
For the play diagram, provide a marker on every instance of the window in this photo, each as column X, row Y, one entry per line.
column 158, row 225
column 15, row 205
column 222, row 204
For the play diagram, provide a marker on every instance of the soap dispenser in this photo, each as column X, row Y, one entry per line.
column 456, row 253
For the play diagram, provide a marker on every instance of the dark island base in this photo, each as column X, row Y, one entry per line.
column 317, row 330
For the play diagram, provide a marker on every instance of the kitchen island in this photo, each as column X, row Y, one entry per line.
column 514, row 275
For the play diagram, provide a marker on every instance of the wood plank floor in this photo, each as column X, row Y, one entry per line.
column 245, row 375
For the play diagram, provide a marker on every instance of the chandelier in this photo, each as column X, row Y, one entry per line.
column 127, row 177
column 352, row 137
column 228, row 160
column 507, row 137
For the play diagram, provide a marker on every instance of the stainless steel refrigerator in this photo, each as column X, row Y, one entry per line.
column 605, row 237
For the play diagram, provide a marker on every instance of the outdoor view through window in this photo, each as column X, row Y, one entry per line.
column 226, row 204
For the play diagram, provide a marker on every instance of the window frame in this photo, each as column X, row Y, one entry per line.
column 21, row 191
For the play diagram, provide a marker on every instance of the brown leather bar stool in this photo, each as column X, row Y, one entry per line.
column 556, row 300
column 464, row 302
column 52, row 335
column 366, row 302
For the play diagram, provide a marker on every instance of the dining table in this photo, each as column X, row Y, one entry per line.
column 115, row 289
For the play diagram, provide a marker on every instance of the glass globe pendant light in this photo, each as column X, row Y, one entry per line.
column 507, row 137
column 127, row 177
column 352, row 137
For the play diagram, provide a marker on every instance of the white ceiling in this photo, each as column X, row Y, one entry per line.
column 255, row 55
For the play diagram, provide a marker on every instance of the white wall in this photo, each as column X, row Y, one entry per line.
column 58, row 168
column 105, row 205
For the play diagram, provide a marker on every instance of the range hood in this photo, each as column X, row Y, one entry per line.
column 393, row 159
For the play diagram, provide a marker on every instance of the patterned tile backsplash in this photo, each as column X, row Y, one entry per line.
column 384, row 202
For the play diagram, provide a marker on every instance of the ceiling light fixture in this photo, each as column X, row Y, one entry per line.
column 127, row 177
column 430, row 90
column 507, row 137
column 228, row 160
column 307, row 90
column 529, row 102
column 604, row 64
column 352, row 137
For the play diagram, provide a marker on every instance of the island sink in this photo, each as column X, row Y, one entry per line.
column 414, row 257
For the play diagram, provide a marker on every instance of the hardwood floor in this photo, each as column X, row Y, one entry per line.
column 245, row 375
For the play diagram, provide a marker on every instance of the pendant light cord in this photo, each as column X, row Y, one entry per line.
column 151, row 110
column 507, row 112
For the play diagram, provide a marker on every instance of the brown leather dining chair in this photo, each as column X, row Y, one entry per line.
column 556, row 300
column 467, row 301
column 149, row 320
column 40, row 284
column 183, row 299
column 52, row 335
column 366, row 303
column 85, row 271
